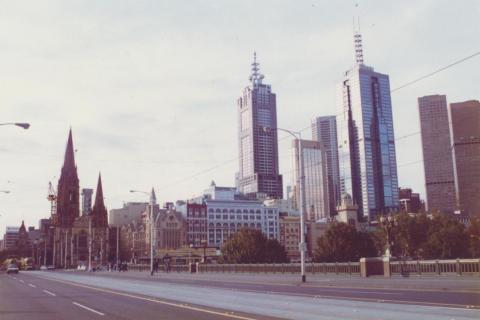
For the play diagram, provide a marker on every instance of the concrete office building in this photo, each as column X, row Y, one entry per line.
column 324, row 130
column 316, row 203
column 258, row 175
column 465, row 138
column 129, row 212
column 437, row 153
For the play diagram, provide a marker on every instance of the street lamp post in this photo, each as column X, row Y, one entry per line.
column 23, row 125
column 151, row 204
column 387, row 223
column 297, row 135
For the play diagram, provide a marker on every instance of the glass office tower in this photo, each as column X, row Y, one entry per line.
column 367, row 159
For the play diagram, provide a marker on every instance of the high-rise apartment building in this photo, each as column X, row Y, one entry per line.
column 465, row 139
column 324, row 130
column 258, row 148
column 437, row 153
column 316, row 202
column 367, row 159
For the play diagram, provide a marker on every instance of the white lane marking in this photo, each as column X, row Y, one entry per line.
column 50, row 293
column 87, row 308
column 32, row 285
column 22, row 281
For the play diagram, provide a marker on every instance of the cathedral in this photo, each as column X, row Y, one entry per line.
column 78, row 237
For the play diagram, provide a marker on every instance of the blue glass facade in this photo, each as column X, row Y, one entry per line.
column 367, row 159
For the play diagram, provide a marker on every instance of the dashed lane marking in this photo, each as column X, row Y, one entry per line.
column 87, row 308
column 50, row 293
column 172, row 304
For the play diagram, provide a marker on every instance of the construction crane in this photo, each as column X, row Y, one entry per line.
column 52, row 197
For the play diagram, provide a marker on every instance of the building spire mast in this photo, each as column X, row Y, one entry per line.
column 256, row 77
column 357, row 39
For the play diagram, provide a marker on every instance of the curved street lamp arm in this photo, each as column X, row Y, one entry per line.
column 23, row 125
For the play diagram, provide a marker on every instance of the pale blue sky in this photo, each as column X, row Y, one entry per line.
column 150, row 87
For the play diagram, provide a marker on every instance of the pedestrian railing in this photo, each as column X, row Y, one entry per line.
column 161, row 268
column 351, row 268
column 436, row 267
column 461, row 267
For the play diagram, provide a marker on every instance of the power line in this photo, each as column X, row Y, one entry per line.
column 435, row 72
column 303, row 129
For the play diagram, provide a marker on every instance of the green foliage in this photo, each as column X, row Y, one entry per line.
column 422, row 237
column 473, row 233
column 446, row 239
column 342, row 242
column 251, row 246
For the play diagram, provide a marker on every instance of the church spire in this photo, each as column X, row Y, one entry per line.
column 69, row 161
column 68, row 203
column 99, row 194
column 99, row 211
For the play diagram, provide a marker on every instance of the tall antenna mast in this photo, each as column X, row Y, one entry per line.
column 256, row 77
column 357, row 39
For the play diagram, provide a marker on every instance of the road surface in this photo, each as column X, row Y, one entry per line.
column 134, row 295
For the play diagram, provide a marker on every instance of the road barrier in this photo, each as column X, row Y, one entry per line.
column 436, row 267
column 460, row 267
column 351, row 268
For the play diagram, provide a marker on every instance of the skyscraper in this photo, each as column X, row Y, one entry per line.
column 437, row 153
column 258, row 148
column 324, row 130
column 316, row 197
column 367, row 159
column 465, row 137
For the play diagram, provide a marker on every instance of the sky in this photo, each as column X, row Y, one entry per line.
column 150, row 88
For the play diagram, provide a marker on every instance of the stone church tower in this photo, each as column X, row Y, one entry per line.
column 68, row 203
column 76, row 238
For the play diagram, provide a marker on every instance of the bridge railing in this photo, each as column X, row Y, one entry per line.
column 436, row 267
column 352, row 268
column 460, row 267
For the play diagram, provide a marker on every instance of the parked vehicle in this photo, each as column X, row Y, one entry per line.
column 12, row 268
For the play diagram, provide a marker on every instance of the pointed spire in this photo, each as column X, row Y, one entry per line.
column 153, row 197
column 256, row 77
column 99, row 195
column 69, row 161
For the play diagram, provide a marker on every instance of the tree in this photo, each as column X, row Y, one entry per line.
column 446, row 239
column 473, row 233
column 342, row 242
column 407, row 234
column 251, row 246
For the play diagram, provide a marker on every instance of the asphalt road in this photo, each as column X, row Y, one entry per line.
column 442, row 292
column 134, row 295
column 25, row 297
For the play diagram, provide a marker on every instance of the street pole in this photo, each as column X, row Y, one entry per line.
column 301, row 181
column 89, row 243
column 54, row 260
column 302, row 211
column 151, row 236
column 45, row 252
column 118, row 243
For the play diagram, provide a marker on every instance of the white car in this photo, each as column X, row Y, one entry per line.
column 43, row 268
column 12, row 268
column 82, row 267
